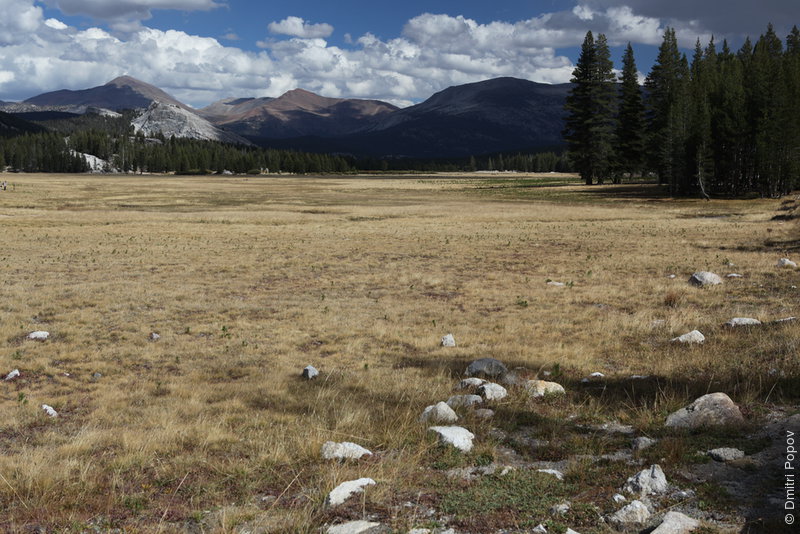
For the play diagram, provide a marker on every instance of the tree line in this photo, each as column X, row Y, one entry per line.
column 723, row 124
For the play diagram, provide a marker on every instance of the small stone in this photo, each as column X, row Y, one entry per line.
column 676, row 523
column 440, row 412
column 726, row 454
column 784, row 320
column 639, row 377
column 154, row 336
column 742, row 321
column 671, row 276
column 705, row 278
column 558, row 474
column 49, row 410
column 540, row 388
column 690, row 338
column 597, row 375
column 471, row 383
column 487, row 367
column 713, row 409
column 635, row 512
column 343, row 491
column 448, row 341
column 343, row 450
column 356, row 527
column 560, row 509
column 539, row 529
column 420, row 531
column 647, row 482
column 556, row 284
column 457, row 436
column 39, row 335
column 12, row 375
column 734, row 275
column 641, row 443
column 310, row 372
column 464, row 401
column 484, row 413
column 491, row 391
column 786, row 263
column 618, row 498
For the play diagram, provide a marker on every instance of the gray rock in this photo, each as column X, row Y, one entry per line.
column 634, row 513
column 650, row 481
column 491, row 391
column 448, row 341
column 49, row 410
column 786, row 263
column 742, row 321
column 561, row 509
column 554, row 472
column 784, row 320
column 734, row 275
column 310, row 372
column 540, row 388
column 471, row 383
column 12, row 375
column 614, row 427
column 726, row 454
column 39, row 335
column 705, row 278
column 171, row 120
column 343, row 450
column 356, row 527
column 713, row 409
column 539, row 529
column 556, row 284
column 464, row 401
column 641, row 443
column 438, row 413
column 690, row 338
column 345, row 490
column 484, row 413
column 457, row 436
column 486, row 367
column 618, row 498
column 676, row 523
column 154, row 336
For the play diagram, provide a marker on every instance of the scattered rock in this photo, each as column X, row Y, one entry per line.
column 457, row 436
column 154, row 336
column 787, row 263
column 640, row 377
column 540, row 388
column 471, row 383
column 641, row 443
column 556, row 284
column 49, row 410
column 472, row 473
column 488, row 367
column 734, row 275
column 310, row 372
column 12, row 375
column 650, row 481
column 742, row 321
column 491, row 391
column 464, row 401
column 784, row 320
column 343, row 450
column 636, row 512
column 484, row 413
column 555, row 472
column 693, row 337
column 97, row 376
column 597, row 375
column 671, row 276
column 676, row 523
column 356, row 527
column 343, row 491
column 39, row 335
column 705, row 278
column 712, row 409
column 560, row 509
column 726, row 454
column 613, row 427
column 448, row 341
column 539, row 529
column 618, row 498
column 438, row 413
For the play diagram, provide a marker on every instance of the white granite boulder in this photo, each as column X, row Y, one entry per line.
column 49, row 410
column 714, row 409
column 726, row 454
column 695, row 337
column 440, row 412
column 634, row 513
column 650, row 481
column 486, row 367
column 464, row 401
column 356, row 527
column 786, row 263
column 540, row 388
column 676, row 523
column 39, row 335
column 471, row 383
column 742, row 321
column 705, row 278
column 343, row 451
column 641, row 443
column 448, row 341
column 491, row 391
column 310, row 372
column 12, row 375
column 345, row 490
column 457, row 436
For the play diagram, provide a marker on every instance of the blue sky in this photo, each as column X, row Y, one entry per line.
column 204, row 50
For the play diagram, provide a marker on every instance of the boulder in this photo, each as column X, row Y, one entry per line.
column 471, row 383
column 343, row 450
column 457, row 436
column 357, row 527
column 618, row 498
column 438, row 413
column 554, row 472
column 742, row 321
column 486, row 367
column 448, row 341
column 641, row 443
column 650, row 481
column 676, row 523
column 786, row 263
column 491, row 391
column 560, row 509
column 726, row 454
column 556, row 284
column 695, row 337
column 734, row 275
column 704, row 278
column 154, row 336
column 310, row 372
column 39, row 335
column 345, row 490
column 464, row 401
column 713, row 409
column 540, row 388
column 49, row 410
column 12, row 375
column 634, row 513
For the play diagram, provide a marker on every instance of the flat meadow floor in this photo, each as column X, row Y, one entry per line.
column 249, row 279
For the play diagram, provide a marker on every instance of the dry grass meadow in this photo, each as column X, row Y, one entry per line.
column 248, row 280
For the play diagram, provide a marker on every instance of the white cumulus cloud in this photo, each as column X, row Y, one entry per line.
column 297, row 27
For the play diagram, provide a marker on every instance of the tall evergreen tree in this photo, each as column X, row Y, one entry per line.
column 630, row 126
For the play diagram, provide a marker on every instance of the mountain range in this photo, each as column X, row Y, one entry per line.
column 498, row 115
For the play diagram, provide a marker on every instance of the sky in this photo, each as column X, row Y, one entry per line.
column 201, row 51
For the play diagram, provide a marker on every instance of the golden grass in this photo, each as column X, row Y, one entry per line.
column 248, row 280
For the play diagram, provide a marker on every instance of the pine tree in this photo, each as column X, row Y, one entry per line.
column 699, row 145
column 630, row 128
